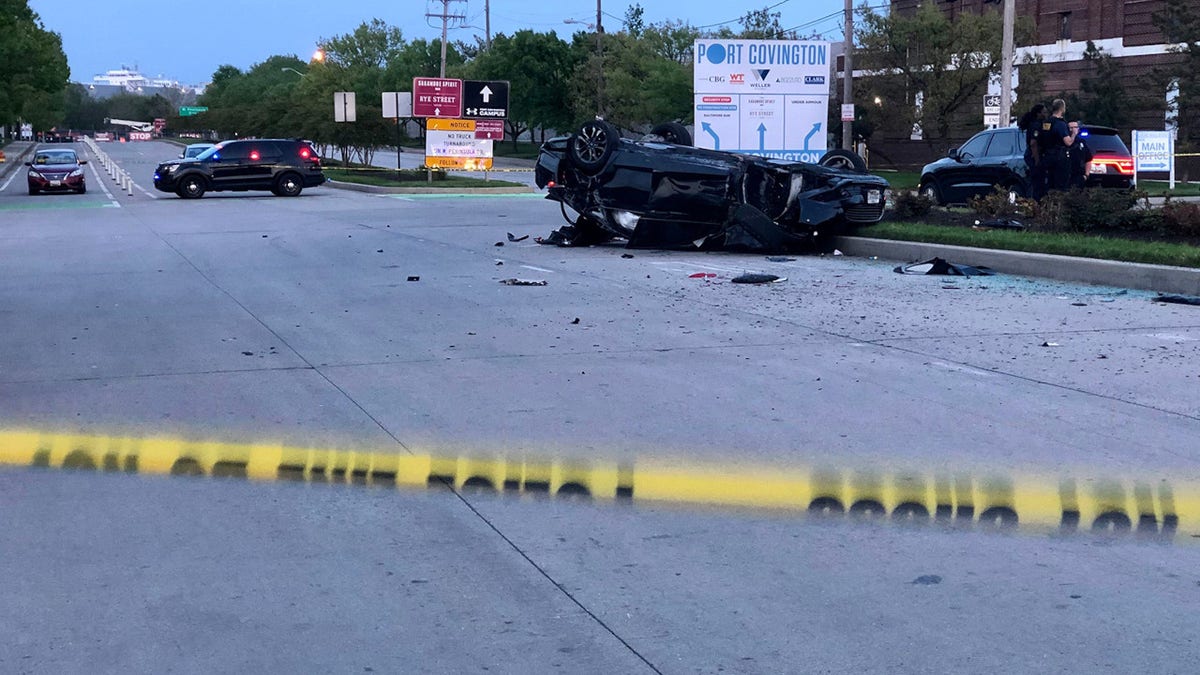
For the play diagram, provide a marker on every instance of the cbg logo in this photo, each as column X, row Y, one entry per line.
column 712, row 78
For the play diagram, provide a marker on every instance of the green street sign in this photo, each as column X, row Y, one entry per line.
column 189, row 110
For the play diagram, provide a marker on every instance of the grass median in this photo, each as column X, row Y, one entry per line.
column 413, row 178
column 1078, row 245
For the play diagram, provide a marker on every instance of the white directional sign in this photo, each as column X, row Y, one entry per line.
column 762, row 97
column 1152, row 150
column 343, row 107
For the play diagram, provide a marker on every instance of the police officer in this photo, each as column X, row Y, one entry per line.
column 1031, row 124
column 1080, row 154
column 1054, row 140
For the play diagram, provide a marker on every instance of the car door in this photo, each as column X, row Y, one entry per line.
column 1001, row 160
column 229, row 166
column 964, row 179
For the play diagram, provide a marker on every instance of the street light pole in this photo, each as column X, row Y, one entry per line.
column 848, row 76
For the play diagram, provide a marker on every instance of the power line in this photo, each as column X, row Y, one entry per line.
column 722, row 23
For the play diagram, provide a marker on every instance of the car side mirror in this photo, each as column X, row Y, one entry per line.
column 83, row 161
column 28, row 163
column 953, row 154
column 181, row 155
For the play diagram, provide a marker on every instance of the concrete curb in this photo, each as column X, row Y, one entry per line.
column 10, row 162
column 376, row 189
column 1160, row 278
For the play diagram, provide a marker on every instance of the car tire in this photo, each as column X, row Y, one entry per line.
column 843, row 159
column 288, row 185
column 191, row 187
column 592, row 146
column 83, row 190
column 672, row 132
column 930, row 190
column 33, row 191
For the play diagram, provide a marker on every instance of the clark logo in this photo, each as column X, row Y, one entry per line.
column 814, row 79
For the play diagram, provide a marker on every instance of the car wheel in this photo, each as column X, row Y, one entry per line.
column 843, row 159
column 288, row 185
column 672, row 132
column 191, row 187
column 592, row 146
column 929, row 190
column 82, row 189
column 33, row 191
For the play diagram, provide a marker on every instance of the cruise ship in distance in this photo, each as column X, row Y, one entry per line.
column 132, row 80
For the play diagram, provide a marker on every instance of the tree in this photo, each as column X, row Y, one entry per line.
column 641, row 87
column 924, row 57
column 1179, row 22
column 537, row 66
column 34, row 74
column 1102, row 98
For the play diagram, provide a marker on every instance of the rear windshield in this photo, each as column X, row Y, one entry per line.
column 1104, row 141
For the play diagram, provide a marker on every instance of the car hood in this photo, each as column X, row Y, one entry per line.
column 181, row 162
column 941, row 163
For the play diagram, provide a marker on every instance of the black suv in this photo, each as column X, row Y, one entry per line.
column 996, row 158
column 284, row 167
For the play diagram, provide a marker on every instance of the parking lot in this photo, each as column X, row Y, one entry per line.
column 341, row 319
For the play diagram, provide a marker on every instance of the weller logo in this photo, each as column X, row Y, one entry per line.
column 760, row 78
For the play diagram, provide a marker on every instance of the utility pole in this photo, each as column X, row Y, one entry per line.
column 599, row 61
column 446, row 18
column 1006, row 63
column 848, row 76
column 487, row 23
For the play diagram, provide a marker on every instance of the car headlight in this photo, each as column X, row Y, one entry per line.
column 172, row 168
column 76, row 172
column 34, row 174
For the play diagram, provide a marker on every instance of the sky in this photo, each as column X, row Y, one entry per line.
column 188, row 41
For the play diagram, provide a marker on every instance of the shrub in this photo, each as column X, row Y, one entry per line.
column 998, row 204
column 907, row 205
column 1181, row 218
column 1085, row 210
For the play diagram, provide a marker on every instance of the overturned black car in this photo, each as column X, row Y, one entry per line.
column 660, row 192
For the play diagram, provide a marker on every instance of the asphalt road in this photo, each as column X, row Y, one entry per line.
column 244, row 317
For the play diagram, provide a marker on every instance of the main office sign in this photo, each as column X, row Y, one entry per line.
column 763, row 97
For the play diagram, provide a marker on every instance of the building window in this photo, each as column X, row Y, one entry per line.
column 1064, row 26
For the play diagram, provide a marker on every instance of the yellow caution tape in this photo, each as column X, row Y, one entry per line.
column 1158, row 510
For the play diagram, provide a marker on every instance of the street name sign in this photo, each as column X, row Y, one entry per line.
column 437, row 97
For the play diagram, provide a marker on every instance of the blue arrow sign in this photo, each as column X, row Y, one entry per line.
column 815, row 129
column 709, row 130
column 762, row 137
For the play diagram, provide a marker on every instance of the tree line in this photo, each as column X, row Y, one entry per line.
column 919, row 69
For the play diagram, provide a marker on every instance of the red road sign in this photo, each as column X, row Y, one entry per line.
column 437, row 97
column 489, row 129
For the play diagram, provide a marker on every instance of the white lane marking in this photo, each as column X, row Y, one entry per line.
column 1171, row 337
column 954, row 367
column 9, row 181
column 538, row 269
column 679, row 266
column 100, row 182
column 146, row 192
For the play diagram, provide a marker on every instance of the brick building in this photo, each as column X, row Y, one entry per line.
column 1123, row 29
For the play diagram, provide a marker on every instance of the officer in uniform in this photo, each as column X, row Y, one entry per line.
column 1031, row 124
column 1054, row 140
column 1080, row 154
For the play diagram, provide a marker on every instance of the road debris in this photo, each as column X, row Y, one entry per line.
column 775, row 258
column 937, row 266
column 626, row 255
column 1050, row 344
column 703, row 275
column 755, row 278
column 1177, row 299
column 523, row 282
column 499, row 243
column 414, row 278
column 511, row 237
column 575, row 322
